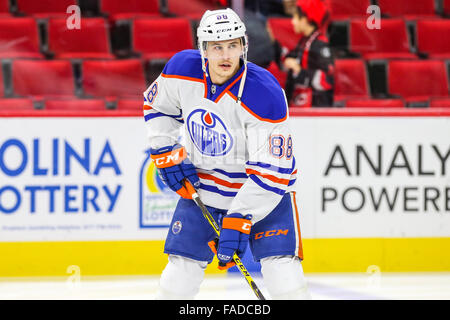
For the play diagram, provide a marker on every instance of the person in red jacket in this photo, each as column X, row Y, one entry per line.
column 310, row 64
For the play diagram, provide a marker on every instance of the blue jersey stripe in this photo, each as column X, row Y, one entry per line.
column 265, row 186
column 217, row 190
column 150, row 116
column 271, row 167
column 235, row 175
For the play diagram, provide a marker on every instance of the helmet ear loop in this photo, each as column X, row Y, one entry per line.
column 244, row 75
column 202, row 49
column 245, row 49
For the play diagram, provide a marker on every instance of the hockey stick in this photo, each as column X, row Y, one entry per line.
column 216, row 228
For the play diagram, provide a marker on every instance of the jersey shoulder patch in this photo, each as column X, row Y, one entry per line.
column 186, row 63
column 263, row 96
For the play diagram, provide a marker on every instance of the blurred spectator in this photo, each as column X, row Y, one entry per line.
column 266, row 8
column 289, row 7
column 261, row 51
column 310, row 65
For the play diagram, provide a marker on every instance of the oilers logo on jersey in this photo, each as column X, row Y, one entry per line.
column 209, row 133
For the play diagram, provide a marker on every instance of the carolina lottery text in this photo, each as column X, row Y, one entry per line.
column 27, row 165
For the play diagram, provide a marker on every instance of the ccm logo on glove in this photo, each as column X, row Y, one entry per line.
column 239, row 224
column 174, row 167
column 170, row 158
column 233, row 239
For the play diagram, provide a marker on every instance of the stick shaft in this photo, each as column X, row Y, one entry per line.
column 236, row 259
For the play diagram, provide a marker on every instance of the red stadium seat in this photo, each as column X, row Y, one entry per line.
column 417, row 80
column 283, row 32
column 194, row 10
column 375, row 103
column 120, row 9
column 49, row 78
column 75, row 105
column 428, row 38
column 161, row 38
column 344, row 9
column 19, row 38
column 390, row 41
column 408, row 9
column 45, row 8
column 16, row 104
column 351, row 80
column 280, row 75
column 90, row 41
column 440, row 103
column 4, row 9
column 130, row 104
column 113, row 78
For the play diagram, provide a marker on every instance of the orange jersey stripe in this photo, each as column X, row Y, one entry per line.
column 228, row 88
column 220, row 181
column 268, row 176
column 174, row 76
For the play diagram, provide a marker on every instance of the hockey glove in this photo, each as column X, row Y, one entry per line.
column 233, row 238
column 173, row 167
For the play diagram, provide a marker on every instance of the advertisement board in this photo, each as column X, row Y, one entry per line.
column 79, row 179
column 378, row 186
column 373, row 177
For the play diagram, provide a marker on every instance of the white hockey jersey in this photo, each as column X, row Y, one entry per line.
column 243, row 151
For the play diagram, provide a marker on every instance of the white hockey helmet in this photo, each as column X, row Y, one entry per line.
column 220, row 25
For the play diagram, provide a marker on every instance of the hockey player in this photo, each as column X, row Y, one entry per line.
column 237, row 153
column 310, row 80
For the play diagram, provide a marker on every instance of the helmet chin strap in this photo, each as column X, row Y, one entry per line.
column 202, row 54
column 242, row 83
column 244, row 74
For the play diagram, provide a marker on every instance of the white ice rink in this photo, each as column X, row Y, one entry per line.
column 342, row 286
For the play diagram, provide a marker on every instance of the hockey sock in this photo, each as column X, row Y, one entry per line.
column 284, row 279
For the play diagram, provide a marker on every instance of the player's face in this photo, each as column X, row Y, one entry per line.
column 223, row 59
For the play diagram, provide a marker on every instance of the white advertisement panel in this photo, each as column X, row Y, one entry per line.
column 79, row 179
column 91, row 179
column 373, row 176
